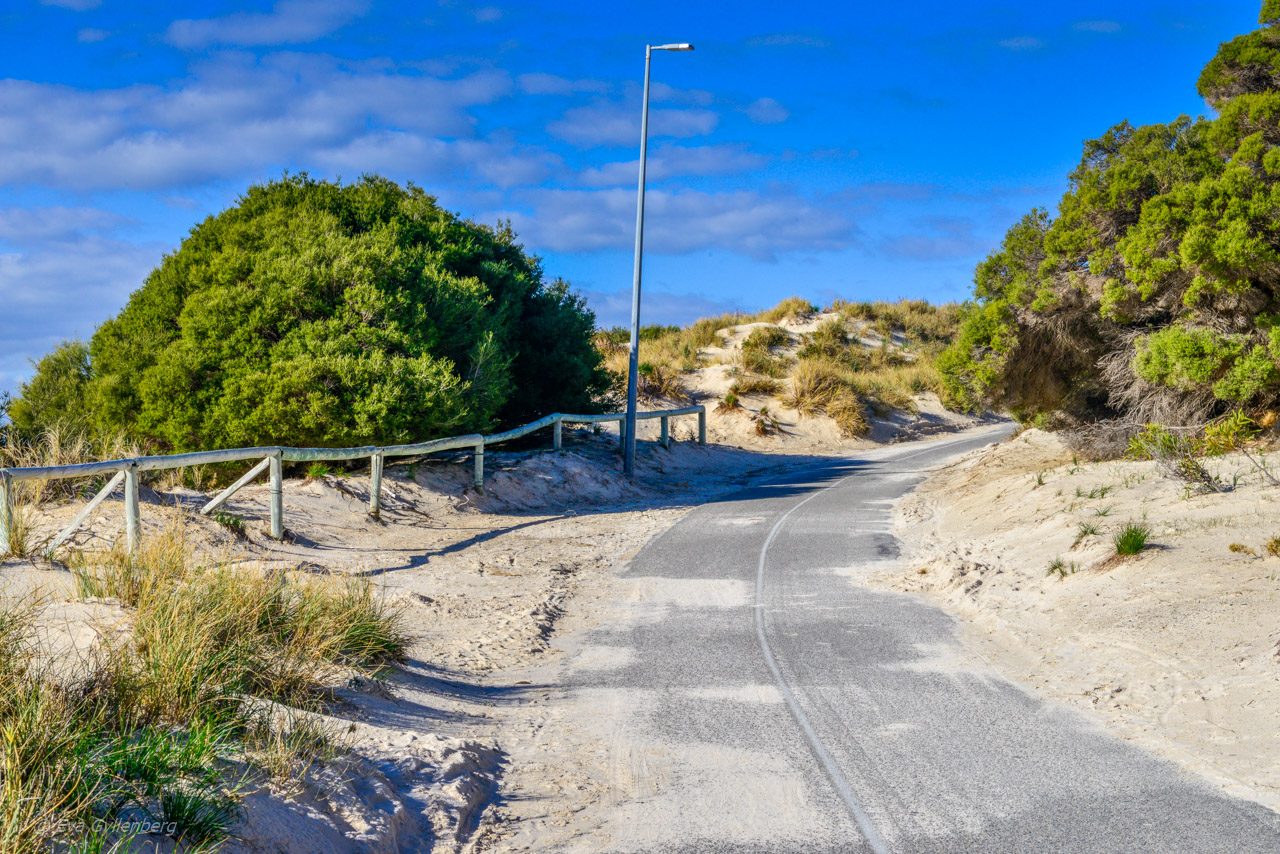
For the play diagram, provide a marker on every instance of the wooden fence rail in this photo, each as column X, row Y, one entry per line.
column 272, row 459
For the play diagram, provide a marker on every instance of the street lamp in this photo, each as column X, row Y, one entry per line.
column 633, row 362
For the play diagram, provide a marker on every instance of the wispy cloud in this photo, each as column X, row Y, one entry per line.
column 937, row 238
column 787, row 40
column 289, row 22
column 1021, row 43
column 1096, row 26
column 613, row 308
column 90, row 35
column 615, row 124
column 754, row 224
column 538, row 83
column 235, row 119
column 672, row 161
column 75, row 5
column 766, row 111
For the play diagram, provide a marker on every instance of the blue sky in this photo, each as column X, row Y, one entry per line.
column 867, row 151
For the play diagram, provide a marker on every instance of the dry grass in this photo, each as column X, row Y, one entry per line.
column 149, row 727
column 791, row 308
column 755, row 387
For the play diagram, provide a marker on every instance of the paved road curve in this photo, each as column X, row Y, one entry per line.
column 775, row 704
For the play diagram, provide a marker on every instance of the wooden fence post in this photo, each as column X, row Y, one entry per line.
column 6, row 510
column 132, row 513
column 702, row 426
column 375, row 485
column 479, row 473
column 277, row 496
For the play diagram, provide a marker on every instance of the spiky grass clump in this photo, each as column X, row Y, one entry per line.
column 728, row 403
column 1132, row 538
column 791, row 308
column 850, row 415
column 755, row 387
column 815, row 382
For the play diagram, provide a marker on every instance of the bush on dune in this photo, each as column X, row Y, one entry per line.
column 317, row 313
column 1153, row 295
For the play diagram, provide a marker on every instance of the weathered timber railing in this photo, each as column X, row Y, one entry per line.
column 126, row 471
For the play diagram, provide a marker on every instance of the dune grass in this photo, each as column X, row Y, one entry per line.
column 1131, row 539
column 172, row 723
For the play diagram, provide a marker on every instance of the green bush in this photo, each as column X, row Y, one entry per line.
column 1154, row 293
column 317, row 313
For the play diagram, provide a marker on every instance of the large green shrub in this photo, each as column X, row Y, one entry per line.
column 319, row 313
column 1154, row 292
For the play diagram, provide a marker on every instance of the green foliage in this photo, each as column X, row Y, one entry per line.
column 54, row 397
column 316, row 313
column 1153, row 293
column 1131, row 539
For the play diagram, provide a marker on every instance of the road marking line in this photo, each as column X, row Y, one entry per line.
column 834, row 774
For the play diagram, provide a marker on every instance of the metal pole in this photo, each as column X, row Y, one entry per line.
column 666, row 432
column 479, row 473
column 132, row 515
column 633, row 361
column 702, row 426
column 277, row 497
column 375, row 485
column 557, row 436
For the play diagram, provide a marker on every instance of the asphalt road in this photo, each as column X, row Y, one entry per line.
column 775, row 704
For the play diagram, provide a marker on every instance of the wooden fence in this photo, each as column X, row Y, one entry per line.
column 272, row 459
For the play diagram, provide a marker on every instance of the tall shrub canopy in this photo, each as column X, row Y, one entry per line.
column 317, row 313
column 1154, row 294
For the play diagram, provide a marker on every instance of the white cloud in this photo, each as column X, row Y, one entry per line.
column 488, row 14
column 90, row 35
column 53, row 223
column 75, row 5
column 672, row 161
column 1097, row 26
column 237, row 119
column 608, row 124
column 289, row 22
column 62, row 283
column 538, row 83
column 758, row 225
column 787, row 40
column 613, row 308
column 766, row 111
column 1021, row 43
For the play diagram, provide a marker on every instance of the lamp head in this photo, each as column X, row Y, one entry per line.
column 679, row 46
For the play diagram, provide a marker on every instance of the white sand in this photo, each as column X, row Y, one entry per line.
column 1175, row 649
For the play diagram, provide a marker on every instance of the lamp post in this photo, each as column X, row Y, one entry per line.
column 633, row 362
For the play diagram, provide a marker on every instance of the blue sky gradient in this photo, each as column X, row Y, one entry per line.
column 867, row 151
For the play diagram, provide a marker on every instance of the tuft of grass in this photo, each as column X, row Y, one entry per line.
column 850, row 415
column 790, row 308
column 319, row 470
column 1273, row 546
column 1241, row 549
column 20, row 541
column 1103, row 511
column 233, row 523
column 1062, row 568
column 1040, row 477
column 755, row 387
column 200, row 817
column 763, row 362
column 1132, row 538
column 766, row 338
column 660, row 382
column 1083, row 532
column 729, row 403
column 765, row 423
column 815, row 382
